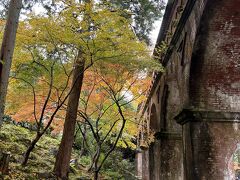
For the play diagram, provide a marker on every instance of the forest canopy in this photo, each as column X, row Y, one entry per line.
column 78, row 73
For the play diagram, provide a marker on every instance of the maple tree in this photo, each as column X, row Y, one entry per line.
column 45, row 55
column 55, row 51
column 108, row 32
column 107, row 112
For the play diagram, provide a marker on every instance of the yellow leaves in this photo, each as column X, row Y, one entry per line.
column 105, row 38
column 96, row 89
column 2, row 26
column 103, row 35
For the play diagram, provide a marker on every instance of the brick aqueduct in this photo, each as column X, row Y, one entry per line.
column 193, row 107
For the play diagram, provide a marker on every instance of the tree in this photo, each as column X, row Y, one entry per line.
column 61, row 167
column 3, row 9
column 105, row 41
column 7, row 49
column 143, row 12
column 107, row 114
column 42, row 64
column 45, row 65
column 62, row 161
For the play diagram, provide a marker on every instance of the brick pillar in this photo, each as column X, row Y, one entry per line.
column 211, row 130
column 150, row 162
column 163, row 159
column 145, row 165
column 170, row 156
column 139, row 164
column 210, row 139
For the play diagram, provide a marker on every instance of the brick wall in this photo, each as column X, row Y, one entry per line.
column 202, row 72
column 215, row 80
column 214, row 87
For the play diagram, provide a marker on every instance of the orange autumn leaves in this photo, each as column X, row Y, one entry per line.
column 94, row 95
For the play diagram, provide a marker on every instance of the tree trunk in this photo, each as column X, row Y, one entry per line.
column 64, row 153
column 30, row 148
column 7, row 49
column 4, row 163
column 84, row 141
column 96, row 175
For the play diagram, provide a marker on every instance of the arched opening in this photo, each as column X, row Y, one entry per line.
column 153, row 119
column 163, row 116
column 154, row 129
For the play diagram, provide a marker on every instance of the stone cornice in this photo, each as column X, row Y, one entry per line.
column 193, row 115
column 181, row 24
column 162, row 35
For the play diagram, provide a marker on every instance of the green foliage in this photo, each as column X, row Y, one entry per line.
column 104, row 41
column 46, row 49
column 42, row 44
column 161, row 50
column 118, row 168
column 236, row 156
column 143, row 12
column 115, row 166
column 15, row 139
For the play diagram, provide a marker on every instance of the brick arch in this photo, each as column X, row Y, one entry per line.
column 208, row 81
column 214, row 74
column 153, row 146
column 153, row 118
column 214, row 92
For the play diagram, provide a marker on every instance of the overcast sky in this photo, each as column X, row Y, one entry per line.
column 155, row 31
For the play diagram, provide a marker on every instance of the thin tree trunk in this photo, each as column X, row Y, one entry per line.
column 84, row 141
column 64, row 153
column 96, row 171
column 94, row 165
column 7, row 49
column 30, row 148
column 96, row 175
column 4, row 163
column 82, row 150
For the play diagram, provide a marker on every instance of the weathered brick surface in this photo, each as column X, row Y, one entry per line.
column 213, row 145
column 176, row 78
column 214, row 85
column 170, row 166
column 210, row 140
column 145, row 165
column 215, row 80
column 203, row 75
